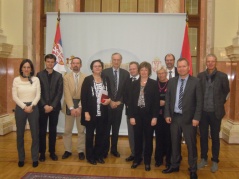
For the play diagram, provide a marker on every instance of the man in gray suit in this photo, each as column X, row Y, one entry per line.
column 183, row 111
column 215, row 85
column 118, row 78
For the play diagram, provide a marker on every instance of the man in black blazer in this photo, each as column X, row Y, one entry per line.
column 171, row 69
column 183, row 111
column 49, row 106
column 215, row 86
column 118, row 78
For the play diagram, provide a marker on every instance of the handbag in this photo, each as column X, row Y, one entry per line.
column 76, row 104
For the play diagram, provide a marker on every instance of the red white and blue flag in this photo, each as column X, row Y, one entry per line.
column 186, row 53
column 58, row 51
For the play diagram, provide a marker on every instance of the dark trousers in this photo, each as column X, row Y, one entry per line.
column 143, row 130
column 114, row 121
column 176, row 128
column 209, row 119
column 21, row 119
column 163, row 140
column 43, row 121
column 130, row 136
column 94, row 148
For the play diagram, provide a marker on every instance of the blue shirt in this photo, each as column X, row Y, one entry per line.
column 176, row 109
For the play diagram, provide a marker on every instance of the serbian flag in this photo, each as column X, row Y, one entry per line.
column 58, row 51
column 186, row 49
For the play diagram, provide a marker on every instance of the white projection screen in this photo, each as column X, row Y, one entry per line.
column 137, row 36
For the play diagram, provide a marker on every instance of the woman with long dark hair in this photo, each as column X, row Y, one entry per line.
column 26, row 93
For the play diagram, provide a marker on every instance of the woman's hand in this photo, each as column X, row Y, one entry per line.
column 162, row 102
column 28, row 109
column 106, row 101
column 153, row 121
column 87, row 116
column 132, row 121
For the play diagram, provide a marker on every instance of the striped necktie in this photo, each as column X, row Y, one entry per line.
column 180, row 101
column 115, row 83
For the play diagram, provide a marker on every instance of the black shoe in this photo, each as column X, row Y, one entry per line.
column 116, row 154
column 130, row 158
column 35, row 164
column 157, row 163
column 135, row 165
column 100, row 160
column 54, row 157
column 92, row 161
column 42, row 157
column 21, row 163
column 170, row 170
column 193, row 175
column 66, row 155
column 147, row 168
column 81, row 156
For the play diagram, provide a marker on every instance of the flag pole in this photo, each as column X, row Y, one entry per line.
column 59, row 14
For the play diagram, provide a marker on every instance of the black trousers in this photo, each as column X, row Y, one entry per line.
column 143, row 130
column 210, row 119
column 176, row 128
column 163, row 140
column 43, row 121
column 94, row 146
column 114, row 121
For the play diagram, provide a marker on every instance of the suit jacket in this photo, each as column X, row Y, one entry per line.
column 69, row 88
column 176, row 71
column 151, row 97
column 123, row 76
column 51, row 94
column 89, row 99
column 192, row 99
column 220, row 90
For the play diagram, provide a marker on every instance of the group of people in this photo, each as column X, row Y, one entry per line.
column 175, row 103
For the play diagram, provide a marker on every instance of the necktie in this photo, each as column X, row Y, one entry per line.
column 76, row 81
column 170, row 74
column 180, row 101
column 115, row 82
column 133, row 78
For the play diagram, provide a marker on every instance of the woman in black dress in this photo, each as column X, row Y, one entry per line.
column 94, row 116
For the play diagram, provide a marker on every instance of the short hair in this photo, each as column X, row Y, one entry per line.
column 162, row 68
column 94, row 61
column 51, row 56
column 146, row 65
column 116, row 53
column 134, row 62
column 169, row 54
column 31, row 65
column 78, row 59
column 183, row 59
column 211, row 55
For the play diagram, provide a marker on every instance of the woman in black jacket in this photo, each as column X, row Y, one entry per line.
column 94, row 116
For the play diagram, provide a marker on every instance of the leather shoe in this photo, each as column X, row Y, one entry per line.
column 170, row 170
column 35, row 164
column 130, row 158
column 54, row 157
column 116, row 154
column 157, row 163
column 100, row 160
column 92, row 161
column 42, row 157
column 66, row 155
column 147, row 168
column 134, row 165
column 21, row 163
column 193, row 175
column 81, row 156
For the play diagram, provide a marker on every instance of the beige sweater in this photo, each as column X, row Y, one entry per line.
column 24, row 91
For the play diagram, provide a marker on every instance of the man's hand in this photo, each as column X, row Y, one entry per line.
column 87, row 116
column 153, row 121
column 195, row 122
column 48, row 108
column 168, row 120
column 132, row 121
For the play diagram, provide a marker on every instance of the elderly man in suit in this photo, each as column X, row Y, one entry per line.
column 183, row 111
column 72, row 92
column 171, row 69
column 215, row 85
column 118, row 78
column 49, row 106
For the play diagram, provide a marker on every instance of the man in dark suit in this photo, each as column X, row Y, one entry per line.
column 118, row 78
column 215, row 86
column 134, row 75
column 171, row 69
column 49, row 106
column 183, row 111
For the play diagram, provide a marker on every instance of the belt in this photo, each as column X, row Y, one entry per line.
column 177, row 113
column 141, row 106
column 28, row 103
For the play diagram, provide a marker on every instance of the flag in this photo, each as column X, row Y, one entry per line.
column 186, row 53
column 58, row 51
